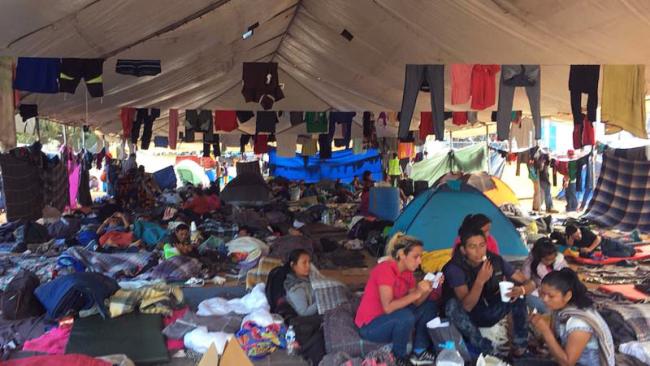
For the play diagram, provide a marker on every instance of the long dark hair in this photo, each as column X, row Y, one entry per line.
column 542, row 248
column 294, row 256
column 566, row 280
column 476, row 221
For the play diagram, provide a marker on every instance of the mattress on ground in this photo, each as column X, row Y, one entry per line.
column 138, row 336
column 642, row 252
column 628, row 291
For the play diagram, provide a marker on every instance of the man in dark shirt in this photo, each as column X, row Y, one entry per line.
column 472, row 279
column 588, row 242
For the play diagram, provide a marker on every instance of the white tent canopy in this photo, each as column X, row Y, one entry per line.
column 201, row 48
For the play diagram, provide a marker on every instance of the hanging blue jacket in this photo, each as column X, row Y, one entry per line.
column 77, row 291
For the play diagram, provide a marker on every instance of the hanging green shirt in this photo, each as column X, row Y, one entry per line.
column 317, row 122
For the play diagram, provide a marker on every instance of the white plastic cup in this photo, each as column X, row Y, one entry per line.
column 505, row 287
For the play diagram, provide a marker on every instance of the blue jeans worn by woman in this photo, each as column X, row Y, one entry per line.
column 487, row 315
column 397, row 327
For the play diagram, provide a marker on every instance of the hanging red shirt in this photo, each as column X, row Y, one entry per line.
column 484, row 86
column 225, row 120
column 459, row 118
column 426, row 125
column 261, row 144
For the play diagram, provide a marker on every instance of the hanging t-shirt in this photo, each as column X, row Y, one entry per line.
column 244, row 116
column 523, row 132
column 261, row 144
column 266, row 121
column 286, row 145
column 484, row 86
column 461, row 80
column 309, row 145
column 225, row 120
column 426, row 125
column 296, row 118
column 459, row 118
column 317, row 122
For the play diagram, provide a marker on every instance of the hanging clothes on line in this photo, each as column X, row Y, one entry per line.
column 261, row 84
column 173, row 128
column 483, row 87
column 144, row 117
column 431, row 77
column 461, row 83
column 513, row 76
column 583, row 79
column 623, row 104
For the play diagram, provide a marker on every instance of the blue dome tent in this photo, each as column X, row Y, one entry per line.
column 435, row 215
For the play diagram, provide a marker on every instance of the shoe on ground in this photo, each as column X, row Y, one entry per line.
column 424, row 358
column 552, row 211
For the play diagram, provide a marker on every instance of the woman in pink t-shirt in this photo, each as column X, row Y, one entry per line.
column 393, row 305
column 483, row 223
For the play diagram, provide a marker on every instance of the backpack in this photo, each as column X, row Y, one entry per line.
column 275, row 292
column 18, row 300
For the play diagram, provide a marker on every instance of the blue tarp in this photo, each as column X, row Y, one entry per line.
column 344, row 164
column 165, row 178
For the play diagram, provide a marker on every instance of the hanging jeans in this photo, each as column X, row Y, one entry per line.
column 416, row 77
column 144, row 117
column 507, row 86
column 211, row 139
column 397, row 327
column 584, row 79
column 484, row 315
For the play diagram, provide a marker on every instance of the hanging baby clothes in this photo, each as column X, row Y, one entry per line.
column 286, row 145
column 38, row 74
column 244, row 116
column 127, row 115
column 522, row 133
column 28, row 111
column 623, row 104
column 416, row 77
column 261, row 84
column 461, row 81
column 173, row 128
column 513, row 76
column 90, row 69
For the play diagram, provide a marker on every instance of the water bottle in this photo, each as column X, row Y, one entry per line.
column 448, row 356
column 291, row 341
column 193, row 231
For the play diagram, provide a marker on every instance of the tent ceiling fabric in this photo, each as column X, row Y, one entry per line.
column 200, row 45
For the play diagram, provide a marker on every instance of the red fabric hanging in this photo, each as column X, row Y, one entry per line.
column 426, row 125
column 459, row 118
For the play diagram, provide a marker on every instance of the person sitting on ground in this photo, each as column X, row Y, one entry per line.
column 480, row 222
column 116, row 222
column 212, row 194
column 342, row 194
column 578, row 335
column 356, row 184
column 199, row 204
column 393, row 305
column 473, row 275
column 366, row 183
column 588, row 242
column 542, row 260
column 300, row 294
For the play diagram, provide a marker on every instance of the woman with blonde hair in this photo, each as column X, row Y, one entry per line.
column 394, row 306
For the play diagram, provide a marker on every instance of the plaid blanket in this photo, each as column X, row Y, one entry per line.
column 157, row 299
column 113, row 265
column 224, row 230
column 329, row 293
column 179, row 268
column 10, row 265
column 637, row 316
column 622, row 196
column 260, row 273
